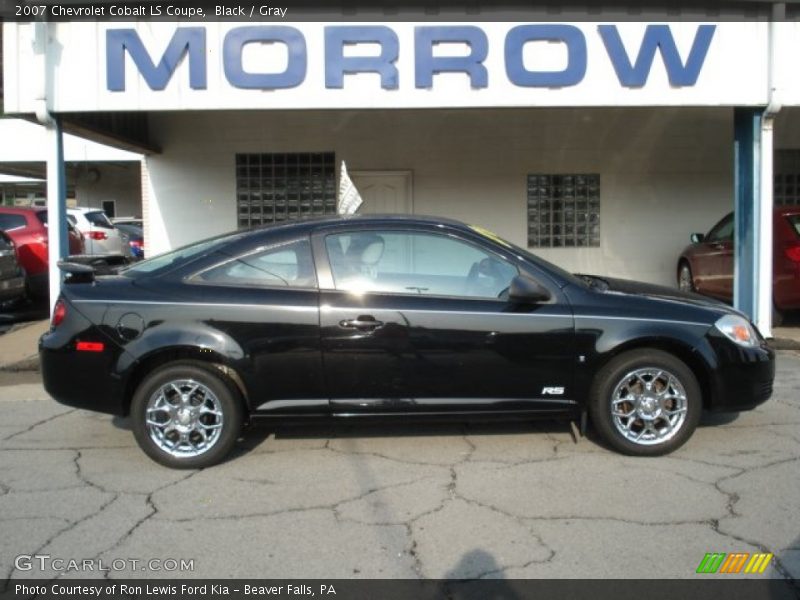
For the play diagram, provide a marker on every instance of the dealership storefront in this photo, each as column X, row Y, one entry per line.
column 599, row 146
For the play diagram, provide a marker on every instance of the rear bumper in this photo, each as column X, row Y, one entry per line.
column 81, row 379
column 742, row 378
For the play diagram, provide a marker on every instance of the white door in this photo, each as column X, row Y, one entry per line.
column 384, row 191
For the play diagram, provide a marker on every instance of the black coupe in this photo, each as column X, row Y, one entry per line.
column 389, row 316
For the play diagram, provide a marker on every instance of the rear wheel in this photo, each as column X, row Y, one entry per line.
column 645, row 402
column 186, row 415
column 685, row 280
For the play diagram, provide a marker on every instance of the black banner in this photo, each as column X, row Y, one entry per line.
column 730, row 588
column 391, row 10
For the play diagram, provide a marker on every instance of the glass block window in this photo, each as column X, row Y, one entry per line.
column 271, row 188
column 787, row 189
column 563, row 210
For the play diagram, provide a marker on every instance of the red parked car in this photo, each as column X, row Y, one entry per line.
column 28, row 228
column 706, row 265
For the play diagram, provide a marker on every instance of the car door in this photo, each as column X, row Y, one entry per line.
column 266, row 299
column 416, row 320
column 714, row 260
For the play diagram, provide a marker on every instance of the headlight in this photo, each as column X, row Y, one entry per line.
column 738, row 330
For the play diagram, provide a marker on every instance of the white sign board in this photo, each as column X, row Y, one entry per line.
column 102, row 66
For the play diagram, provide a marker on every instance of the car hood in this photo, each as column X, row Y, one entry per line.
column 662, row 292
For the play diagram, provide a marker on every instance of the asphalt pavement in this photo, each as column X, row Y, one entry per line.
column 382, row 501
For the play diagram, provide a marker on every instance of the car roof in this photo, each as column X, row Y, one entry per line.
column 788, row 210
column 22, row 209
column 307, row 224
column 84, row 209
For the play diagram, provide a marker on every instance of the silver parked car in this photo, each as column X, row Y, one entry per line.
column 99, row 234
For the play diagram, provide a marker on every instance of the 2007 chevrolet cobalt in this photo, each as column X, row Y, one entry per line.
column 389, row 316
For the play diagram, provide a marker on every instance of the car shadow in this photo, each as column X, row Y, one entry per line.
column 257, row 432
column 27, row 310
column 712, row 419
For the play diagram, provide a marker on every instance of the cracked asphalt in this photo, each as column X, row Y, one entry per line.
column 519, row 500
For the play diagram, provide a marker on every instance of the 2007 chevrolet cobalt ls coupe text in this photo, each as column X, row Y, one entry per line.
column 389, row 316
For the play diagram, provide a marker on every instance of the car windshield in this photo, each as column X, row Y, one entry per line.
column 98, row 219
column 794, row 221
column 530, row 257
column 130, row 229
column 175, row 258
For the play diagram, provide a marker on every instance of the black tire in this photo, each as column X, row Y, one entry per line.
column 221, row 389
column 685, row 277
column 778, row 316
column 615, row 373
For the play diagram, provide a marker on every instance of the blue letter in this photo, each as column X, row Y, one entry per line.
column 239, row 37
column 570, row 35
column 337, row 64
column 427, row 64
column 185, row 39
column 657, row 37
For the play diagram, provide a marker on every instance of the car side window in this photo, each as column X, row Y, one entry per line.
column 9, row 221
column 722, row 231
column 285, row 265
column 401, row 262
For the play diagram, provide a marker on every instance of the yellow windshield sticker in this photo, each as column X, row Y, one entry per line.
column 490, row 234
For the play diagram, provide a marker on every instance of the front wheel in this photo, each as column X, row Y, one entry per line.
column 645, row 402
column 186, row 415
column 685, row 278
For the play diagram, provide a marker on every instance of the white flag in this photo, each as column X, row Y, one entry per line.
column 349, row 198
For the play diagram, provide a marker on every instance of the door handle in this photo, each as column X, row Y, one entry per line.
column 362, row 323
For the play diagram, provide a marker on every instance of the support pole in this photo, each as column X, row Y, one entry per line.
column 58, row 246
column 763, row 289
column 747, row 275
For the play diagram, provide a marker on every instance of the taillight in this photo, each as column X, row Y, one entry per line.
column 98, row 235
column 792, row 251
column 59, row 312
column 135, row 243
column 90, row 346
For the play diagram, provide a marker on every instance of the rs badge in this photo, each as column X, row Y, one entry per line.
column 552, row 391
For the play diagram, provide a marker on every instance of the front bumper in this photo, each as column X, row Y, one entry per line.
column 742, row 378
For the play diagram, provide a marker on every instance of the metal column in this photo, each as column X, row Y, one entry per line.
column 752, row 281
column 58, row 246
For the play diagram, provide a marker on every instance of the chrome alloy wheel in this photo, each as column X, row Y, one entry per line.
column 685, row 283
column 184, row 418
column 648, row 406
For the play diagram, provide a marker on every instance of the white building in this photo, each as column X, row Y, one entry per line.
column 98, row 175
column 601, row 145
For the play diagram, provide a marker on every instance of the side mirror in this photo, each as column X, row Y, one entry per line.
column 697, row 238
column 524, row 290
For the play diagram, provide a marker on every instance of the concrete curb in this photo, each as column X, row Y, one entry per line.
column 783, row 344
column 26, row 365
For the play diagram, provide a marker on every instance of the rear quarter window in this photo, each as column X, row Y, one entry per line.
column 9, row 221
column 98, row 219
